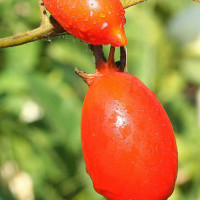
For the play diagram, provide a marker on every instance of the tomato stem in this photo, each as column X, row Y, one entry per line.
column 99, row 55
column 111, row 55
column 88, row 78
column 102, row 65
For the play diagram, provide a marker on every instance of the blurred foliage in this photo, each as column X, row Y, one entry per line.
column 41, row 99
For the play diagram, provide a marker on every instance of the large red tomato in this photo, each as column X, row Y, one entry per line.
column 127, row 139
column 93, row 21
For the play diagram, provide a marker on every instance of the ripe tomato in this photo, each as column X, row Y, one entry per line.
column 127, row 138
column 92, row 21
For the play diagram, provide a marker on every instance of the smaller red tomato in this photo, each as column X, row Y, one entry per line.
column 92, row 21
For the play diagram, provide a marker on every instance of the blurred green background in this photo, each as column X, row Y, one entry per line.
column 41, row 98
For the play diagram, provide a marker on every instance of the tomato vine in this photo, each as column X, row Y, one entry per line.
column 49, row 28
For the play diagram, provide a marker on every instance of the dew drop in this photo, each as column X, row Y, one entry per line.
column 93, row 4
column 104, row 25
column 91, row 13
column 102, row 15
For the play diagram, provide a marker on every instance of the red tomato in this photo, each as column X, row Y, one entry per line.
column 127, row 139
column 92, row 21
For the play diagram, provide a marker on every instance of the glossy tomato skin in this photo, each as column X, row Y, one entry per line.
column 93, row 21
column 127, row 139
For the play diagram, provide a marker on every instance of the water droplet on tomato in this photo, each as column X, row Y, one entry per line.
column 93, row 4
column 102, row 15
column 104, row 25
column 91, row 13
column 124, row 20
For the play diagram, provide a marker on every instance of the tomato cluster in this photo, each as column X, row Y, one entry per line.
column 127, row 138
